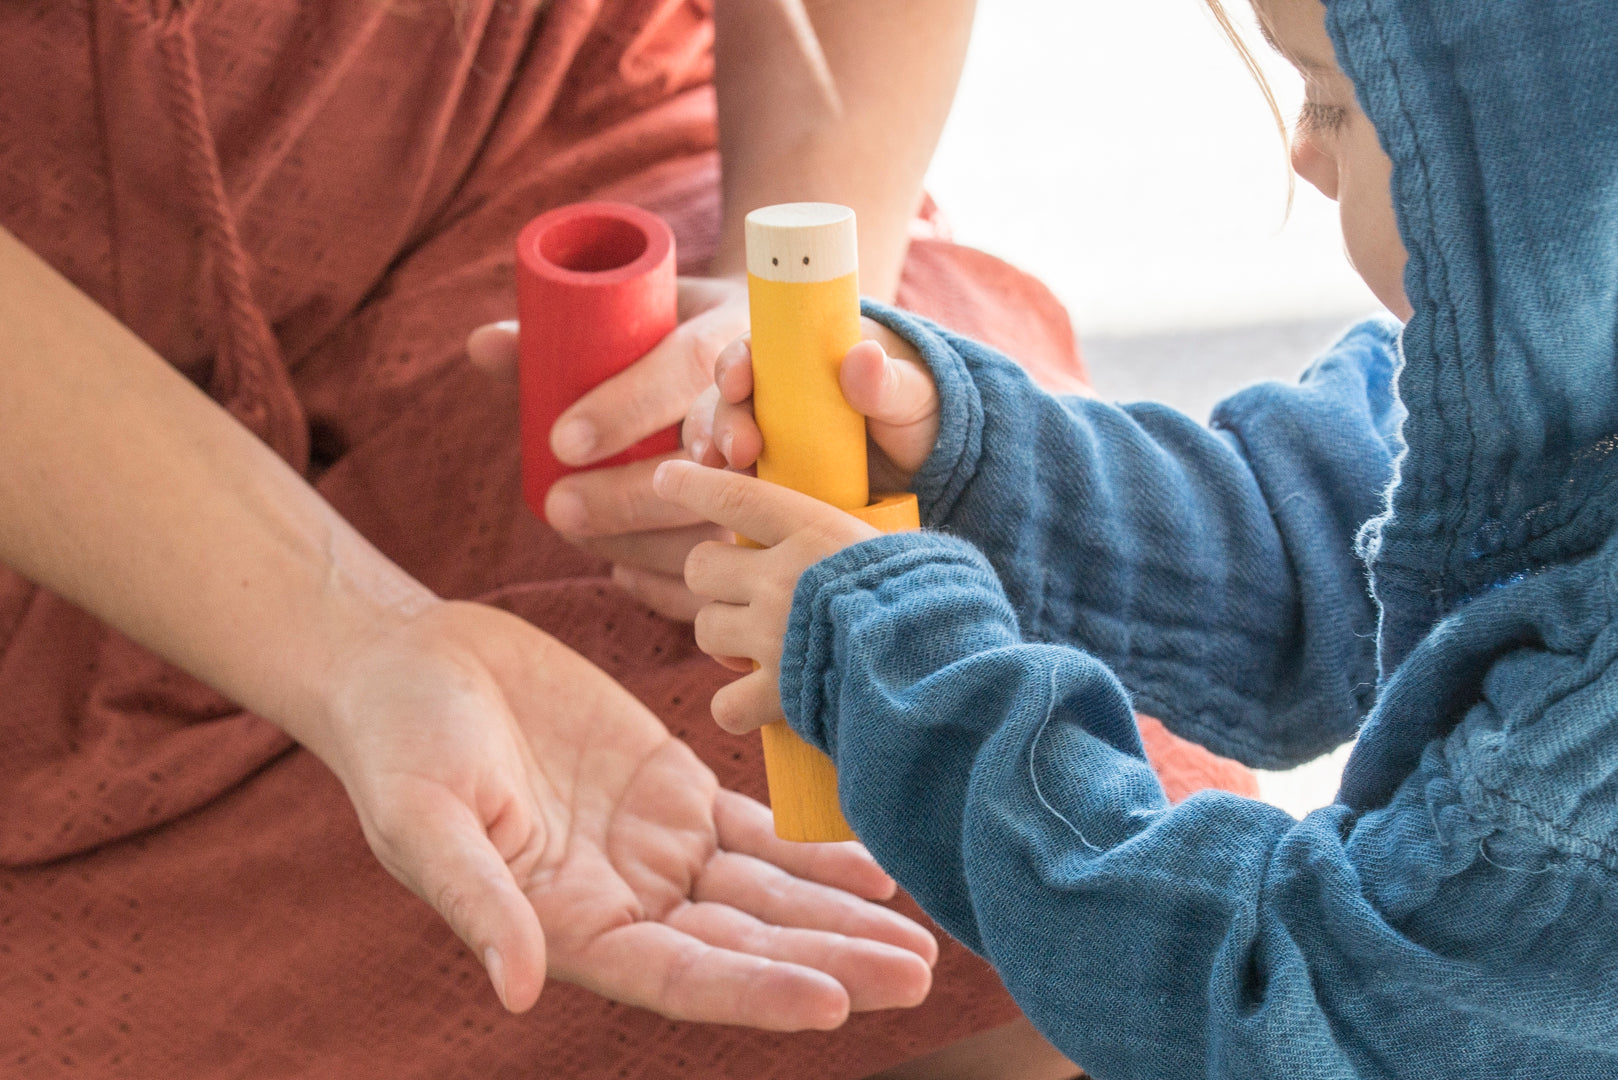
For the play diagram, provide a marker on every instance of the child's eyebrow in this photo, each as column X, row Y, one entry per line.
column 1268, row 35
column 1303, row 63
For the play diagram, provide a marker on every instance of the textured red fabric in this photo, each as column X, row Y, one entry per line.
column 305, row 207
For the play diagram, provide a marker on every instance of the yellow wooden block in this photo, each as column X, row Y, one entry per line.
column 803, row 291
column 814, row 441
column 803, row 788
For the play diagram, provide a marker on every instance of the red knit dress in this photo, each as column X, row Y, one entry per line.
column 305, row 207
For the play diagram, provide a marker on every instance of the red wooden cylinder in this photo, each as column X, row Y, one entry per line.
column 595, row 292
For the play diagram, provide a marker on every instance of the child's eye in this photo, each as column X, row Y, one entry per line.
column 1315, row 118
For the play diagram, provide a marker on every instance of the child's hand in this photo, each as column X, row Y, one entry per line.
column 882, row 377
column 750, row 589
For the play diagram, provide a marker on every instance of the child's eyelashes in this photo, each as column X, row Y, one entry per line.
column 1315, row 118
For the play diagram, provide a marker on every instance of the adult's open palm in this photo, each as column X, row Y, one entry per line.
column 556, row 825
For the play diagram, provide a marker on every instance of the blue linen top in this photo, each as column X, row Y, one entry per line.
column 1417, row 541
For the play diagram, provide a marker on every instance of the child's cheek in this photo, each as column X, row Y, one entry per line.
column 1370, row 228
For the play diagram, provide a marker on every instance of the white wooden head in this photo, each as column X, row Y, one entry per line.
column 801, row 242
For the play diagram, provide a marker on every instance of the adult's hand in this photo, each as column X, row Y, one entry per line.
column 557, row 825
column 613, row 512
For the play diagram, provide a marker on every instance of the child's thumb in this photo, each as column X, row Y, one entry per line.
column 899, row 399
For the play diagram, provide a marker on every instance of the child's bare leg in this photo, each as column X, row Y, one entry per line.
column 1013, row 1052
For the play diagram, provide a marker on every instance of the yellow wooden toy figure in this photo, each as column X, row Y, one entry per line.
column 803, row 290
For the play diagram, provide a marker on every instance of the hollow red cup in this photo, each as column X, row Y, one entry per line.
column 595, row 292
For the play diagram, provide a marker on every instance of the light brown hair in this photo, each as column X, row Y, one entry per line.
column 1239, row 43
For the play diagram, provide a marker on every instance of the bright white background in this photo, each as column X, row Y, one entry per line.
column 1119, row 150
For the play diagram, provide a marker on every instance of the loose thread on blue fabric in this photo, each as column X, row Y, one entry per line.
column 1484, row 851
column 1033, row 774
column 1438, row 833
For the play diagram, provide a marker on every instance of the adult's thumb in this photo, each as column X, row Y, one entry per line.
column 493, row 348
column 444, row 855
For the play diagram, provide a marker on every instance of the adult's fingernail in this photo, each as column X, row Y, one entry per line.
column 497, row 974
column 573, row 441
column 565, row 511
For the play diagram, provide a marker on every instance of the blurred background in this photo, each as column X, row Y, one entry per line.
column 1121, row 152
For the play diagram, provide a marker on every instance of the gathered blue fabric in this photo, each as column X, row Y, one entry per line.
column 1415, row 542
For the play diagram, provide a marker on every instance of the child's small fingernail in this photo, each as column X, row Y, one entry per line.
column 725, row 442
column 497, row 974
column 699, row 448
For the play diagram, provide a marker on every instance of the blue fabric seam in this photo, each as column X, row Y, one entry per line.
column 1560, row 838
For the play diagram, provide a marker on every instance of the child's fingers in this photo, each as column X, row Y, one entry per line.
column 748, row 703
column 733, row 370
column 728, row 630
column 899, row 399
column 762, row 512
column 886, row 389
column 721, row 572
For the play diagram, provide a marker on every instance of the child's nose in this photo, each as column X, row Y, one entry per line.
column 1311, row 162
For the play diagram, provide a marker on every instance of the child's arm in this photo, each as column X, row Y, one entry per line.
column 1433, row 931
column 1434, row 928
column 1212, row 568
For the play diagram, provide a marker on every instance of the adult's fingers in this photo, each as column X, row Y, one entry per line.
column 746, row 826
column 613, row 502
column 733, row 370
column 875, row 974
column 493, row 347
column 440, row 851
column 665, row 594
column 769, row 893
column 736, row 436
column 661, row 551
column 696, row 433
column 658, row 967
column 763, row 512
column 649, row 395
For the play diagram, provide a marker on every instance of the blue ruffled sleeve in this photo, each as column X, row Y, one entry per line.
column 1003, row 784
column 1212, row 567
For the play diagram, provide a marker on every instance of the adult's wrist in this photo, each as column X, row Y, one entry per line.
column 363, row 610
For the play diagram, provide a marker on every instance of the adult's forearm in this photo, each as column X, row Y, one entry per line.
column 836, row 101
column 131, row 493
